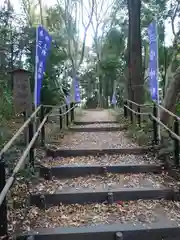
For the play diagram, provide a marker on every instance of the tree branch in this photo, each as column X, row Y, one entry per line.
column 85, row 33
column 65, row 17
column 173, row 19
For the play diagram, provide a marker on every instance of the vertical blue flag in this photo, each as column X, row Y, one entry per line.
column 114, row 101
column 153, row 60
column 76, row 91
column 43, row 44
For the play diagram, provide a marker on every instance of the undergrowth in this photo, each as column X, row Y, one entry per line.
column 140, row 134
column 143, row 135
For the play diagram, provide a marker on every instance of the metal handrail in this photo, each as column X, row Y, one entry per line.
column 25, row 124
column 137, row 113
column 137, row 104
column 21, row 129
column 62, row 114
column 54, row 106
column 25, row 153
column 158, row 105
column 11, row 179
column 169, row 112
column 172, row 134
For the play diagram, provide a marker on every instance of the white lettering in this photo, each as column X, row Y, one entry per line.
column 39, row 76
column 40, row 69
column 47, row 38
column 41, row 33
column 152, row 73
column 44, row 50
column 152, row 55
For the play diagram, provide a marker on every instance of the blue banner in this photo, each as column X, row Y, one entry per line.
column 43, row 44
column 153, row 60
column 114, row 101
column 68, row 99
column 76, row 91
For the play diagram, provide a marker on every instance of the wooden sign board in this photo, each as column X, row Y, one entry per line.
column 21, row 91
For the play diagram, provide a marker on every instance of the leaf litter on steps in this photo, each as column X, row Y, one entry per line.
column 101, row 182
column 97, row 125
column 103, row 160
column 143, row 212
column 95, row 140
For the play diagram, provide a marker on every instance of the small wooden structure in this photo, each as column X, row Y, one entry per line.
column 22, row 91
column 22, row 97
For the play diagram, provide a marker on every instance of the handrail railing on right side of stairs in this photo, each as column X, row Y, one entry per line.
column 133, row 109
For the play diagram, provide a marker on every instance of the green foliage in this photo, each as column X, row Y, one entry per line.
column 106, row 64
column 6, row 109
column 142, row 135
column 29, row 174
column 108, row 68
column 17, row 49
column 178, row 108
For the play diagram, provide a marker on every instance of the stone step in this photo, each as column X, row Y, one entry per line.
column 84, row 170
column 105, row 195
column 50, row 151
column 136, row 220
column 98, row 129
column 94, row 122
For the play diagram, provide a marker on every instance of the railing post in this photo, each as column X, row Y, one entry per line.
column 155, row 125
column 128, row 110
column 43, row 128
column 31, row 152
column 119, row 236
column 67, row 116
column 64, row 116
column 125, row 109
column 131, row 113
column 139, row 116
column 60, row 118
column 3, row 207
column 72, row 111
column 176, row 142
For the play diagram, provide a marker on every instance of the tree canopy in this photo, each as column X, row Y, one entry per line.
column 117, row 60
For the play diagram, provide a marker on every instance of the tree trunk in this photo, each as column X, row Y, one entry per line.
column 136, row 82
column 171, row 96
column 129, row 85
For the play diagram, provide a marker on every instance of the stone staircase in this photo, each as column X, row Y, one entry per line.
column 97, row 184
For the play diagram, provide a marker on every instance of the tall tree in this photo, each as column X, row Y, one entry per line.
column 102, row 10
column 172, row 78
column 72, row 13
column 136, row 83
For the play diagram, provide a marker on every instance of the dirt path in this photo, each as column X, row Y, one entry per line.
column 96, row 115
column 88, row 140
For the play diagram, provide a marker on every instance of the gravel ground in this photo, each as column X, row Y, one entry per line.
column 95, row 115
column 143, row 212
column 105, row 160
column 109, row 181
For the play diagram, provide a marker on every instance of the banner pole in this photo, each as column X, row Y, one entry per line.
column 35, row 86
column 158, row 100
column 35, row 73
